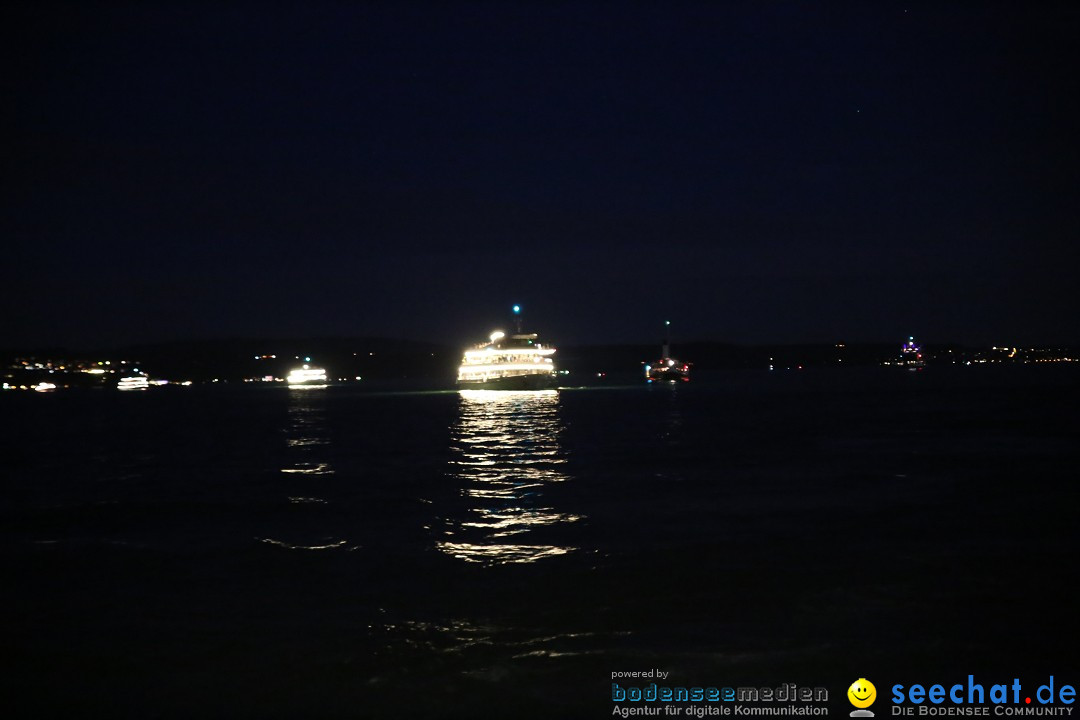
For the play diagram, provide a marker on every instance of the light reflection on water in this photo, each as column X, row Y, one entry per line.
column 307, row 440
column 306, row 431
column 506, row 452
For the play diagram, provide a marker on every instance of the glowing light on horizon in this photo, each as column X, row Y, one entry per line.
column 306, row 375
column 133, row 383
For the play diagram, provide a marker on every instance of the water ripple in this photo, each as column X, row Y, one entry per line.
column 505, row 454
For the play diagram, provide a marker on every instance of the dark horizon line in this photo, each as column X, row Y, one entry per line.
column 291, row 343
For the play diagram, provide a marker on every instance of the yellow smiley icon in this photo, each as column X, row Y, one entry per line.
column 862, row 693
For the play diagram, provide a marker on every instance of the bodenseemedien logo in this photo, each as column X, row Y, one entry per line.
column 862, row 694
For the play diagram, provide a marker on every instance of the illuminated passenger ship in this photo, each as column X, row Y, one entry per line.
column 911, row 355
column 134, row 382
column 514, row 362
column 307, row 375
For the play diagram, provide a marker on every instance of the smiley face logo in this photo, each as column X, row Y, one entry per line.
column 862, row 693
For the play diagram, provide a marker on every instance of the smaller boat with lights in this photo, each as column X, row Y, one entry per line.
column 508, row 362
column 911, row 355
column 667, row 368
column 306, row 375
column 133, row 382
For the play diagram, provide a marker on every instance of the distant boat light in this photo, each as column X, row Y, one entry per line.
column 306, row 375
column 137, row 382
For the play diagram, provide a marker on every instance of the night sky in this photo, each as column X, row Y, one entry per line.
column 758, row 172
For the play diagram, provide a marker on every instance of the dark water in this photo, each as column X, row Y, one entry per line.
column 266, row 552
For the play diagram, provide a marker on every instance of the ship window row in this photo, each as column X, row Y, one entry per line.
column 497, row 373
column 501, row 359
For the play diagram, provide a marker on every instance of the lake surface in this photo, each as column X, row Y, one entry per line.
column 357, row 551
